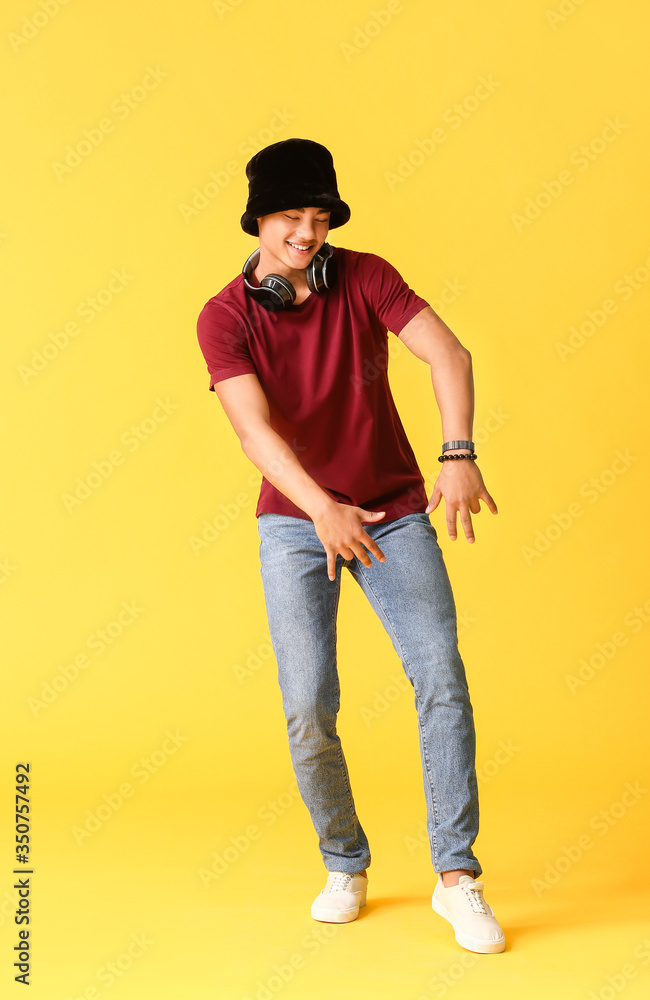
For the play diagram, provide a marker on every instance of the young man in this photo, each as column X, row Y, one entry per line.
column 296, row 348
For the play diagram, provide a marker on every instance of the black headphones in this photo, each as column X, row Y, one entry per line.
column 276, row 292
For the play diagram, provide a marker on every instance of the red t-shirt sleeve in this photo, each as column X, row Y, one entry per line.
column 391, row 299
column 223, row 342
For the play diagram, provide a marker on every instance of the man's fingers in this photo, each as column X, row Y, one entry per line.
column 464, row 509
column 355, row 548
column 489, row 501
column 361, row 553
column 373, row 547
column 359, row 544
column 436, row 497
column 466, row 522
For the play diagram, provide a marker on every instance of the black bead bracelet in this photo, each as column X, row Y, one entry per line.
column 449, row 458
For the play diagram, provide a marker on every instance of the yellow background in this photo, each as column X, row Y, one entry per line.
column 193, row 659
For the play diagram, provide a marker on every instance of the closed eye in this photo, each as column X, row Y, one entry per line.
column 295, row 218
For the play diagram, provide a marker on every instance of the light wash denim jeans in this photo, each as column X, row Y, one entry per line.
column 411, row 594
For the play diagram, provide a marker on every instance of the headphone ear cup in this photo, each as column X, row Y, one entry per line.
column 329, row 268
column 312, row 274
column 268, row 298
column 274, row 292
column 321, row 273
column 280, row 292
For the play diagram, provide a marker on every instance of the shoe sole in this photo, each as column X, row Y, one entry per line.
column 464, row 940
column 338, row 916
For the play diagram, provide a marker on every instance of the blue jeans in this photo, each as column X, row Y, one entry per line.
column 412, row 596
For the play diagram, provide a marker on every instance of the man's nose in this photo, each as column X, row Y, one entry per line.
column 307, row 231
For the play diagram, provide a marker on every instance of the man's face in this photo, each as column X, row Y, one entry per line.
column 292, row 237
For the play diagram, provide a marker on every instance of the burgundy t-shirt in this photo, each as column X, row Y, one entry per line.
column 323, row 368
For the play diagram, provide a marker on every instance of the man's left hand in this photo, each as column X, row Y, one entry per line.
column 462, row 487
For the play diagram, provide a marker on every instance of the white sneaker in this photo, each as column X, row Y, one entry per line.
column 475, row 926
column 341, row 898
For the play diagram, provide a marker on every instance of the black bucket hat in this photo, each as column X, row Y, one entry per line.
column 292, row 173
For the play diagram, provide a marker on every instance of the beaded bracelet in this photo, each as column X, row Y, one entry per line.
column 449, row 458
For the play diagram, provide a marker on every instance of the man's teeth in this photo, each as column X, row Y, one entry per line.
column 296, row 246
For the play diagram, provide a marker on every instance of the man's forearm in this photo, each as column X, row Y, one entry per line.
column 277, row 462
column 453, row 385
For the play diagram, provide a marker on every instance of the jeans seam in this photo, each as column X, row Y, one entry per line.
column 419, row 702
column 342, row 765
column 434, row 804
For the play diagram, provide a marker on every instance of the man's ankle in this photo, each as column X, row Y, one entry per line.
column 452, row 877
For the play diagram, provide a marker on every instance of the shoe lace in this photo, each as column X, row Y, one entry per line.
column 473, row 892
column 338, row 881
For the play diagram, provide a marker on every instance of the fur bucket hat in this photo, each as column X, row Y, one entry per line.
column 293, row 173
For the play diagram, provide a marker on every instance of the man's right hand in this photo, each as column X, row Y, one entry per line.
column 339, row 529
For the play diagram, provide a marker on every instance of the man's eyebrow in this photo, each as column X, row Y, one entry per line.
column 317, row 213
